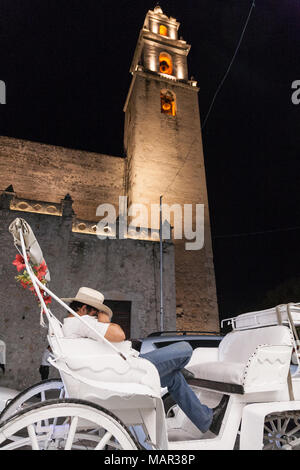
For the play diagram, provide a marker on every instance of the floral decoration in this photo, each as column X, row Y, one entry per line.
column 39, row 270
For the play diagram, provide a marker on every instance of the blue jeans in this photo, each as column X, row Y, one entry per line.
column 169, row 361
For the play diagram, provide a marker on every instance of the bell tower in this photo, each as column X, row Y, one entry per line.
column 163, row 144
column 159, row 50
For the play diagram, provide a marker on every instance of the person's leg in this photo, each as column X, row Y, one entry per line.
column 170, row 358
column 169, row 361
column 44, row 371
column 188, row 401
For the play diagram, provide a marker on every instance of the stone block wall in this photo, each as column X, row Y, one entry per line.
column 47, row 173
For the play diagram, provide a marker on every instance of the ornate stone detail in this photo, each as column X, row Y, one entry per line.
column 39, row 207
column 84, row 226
column 88, row 227
column 64, row 209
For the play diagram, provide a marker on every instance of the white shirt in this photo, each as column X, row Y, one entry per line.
column 45, row 358
column 74, row 328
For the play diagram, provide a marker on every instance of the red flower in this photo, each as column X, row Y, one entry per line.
column 19, row 262
column 41, row 270
column 24, row 284
column 48, row 299
column 24, row 278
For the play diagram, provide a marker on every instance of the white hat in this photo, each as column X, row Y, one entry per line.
column 91, row 297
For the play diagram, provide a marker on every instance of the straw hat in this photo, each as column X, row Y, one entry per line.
column 91, row 297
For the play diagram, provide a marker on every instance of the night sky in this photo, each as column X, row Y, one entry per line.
column 66, row 68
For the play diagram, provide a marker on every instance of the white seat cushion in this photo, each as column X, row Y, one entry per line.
column 249, row 360
column 240, row 345
column 226, row 372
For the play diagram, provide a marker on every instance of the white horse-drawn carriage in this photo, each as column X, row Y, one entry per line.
column 108, row 397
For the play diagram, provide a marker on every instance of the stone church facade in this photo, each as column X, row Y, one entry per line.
column 164, row 157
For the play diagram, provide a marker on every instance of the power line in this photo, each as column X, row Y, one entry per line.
column 262, row 232
column 230, row 65
column 180, row 168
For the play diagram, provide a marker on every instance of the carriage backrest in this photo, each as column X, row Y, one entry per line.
column 92, row 359
column 85, row 359
column 239, row 345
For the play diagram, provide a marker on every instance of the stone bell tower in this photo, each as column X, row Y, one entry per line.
column 163, row 145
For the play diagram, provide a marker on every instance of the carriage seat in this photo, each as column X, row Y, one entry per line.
column 95, row 361
column 254, row 360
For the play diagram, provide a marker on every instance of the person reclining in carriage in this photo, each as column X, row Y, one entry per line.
column 169, row 360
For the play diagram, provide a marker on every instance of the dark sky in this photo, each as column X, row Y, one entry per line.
column 66, row 67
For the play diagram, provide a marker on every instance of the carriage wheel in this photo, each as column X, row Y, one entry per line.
column 64, row 425
column 39, row 392
column 282, row 431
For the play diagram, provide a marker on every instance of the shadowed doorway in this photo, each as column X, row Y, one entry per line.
column 121, row 314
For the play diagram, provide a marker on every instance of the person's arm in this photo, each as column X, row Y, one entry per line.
column 114, row 333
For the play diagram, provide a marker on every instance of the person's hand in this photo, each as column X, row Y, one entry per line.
column 103, row 317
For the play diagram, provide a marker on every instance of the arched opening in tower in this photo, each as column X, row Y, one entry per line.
column 168, row 102
column 165, row 63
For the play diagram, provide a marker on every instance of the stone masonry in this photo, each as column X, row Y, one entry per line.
column 47, row 173
column 165, row 157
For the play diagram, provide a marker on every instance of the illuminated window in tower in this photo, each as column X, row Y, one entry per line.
column 163, row 30
column 165, row 63
column 168, row 103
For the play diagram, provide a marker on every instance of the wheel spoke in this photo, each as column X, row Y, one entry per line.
column 268, row 429
column 33, row 438
column 104, row 441
column 19, row 442
column 114, row 444
column 286, row 422
column 71, row 434
column 281, row 440
column 269, row 446
column 293, row 431
column 279, row 424
column 273, row 426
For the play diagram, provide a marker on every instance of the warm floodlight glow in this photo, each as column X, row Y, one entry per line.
column 163, row 30
column 152, row 63
column 180, row 71
column 165, row 63
column 168, row 105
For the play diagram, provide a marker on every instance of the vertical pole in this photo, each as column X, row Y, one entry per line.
column 161, row 268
